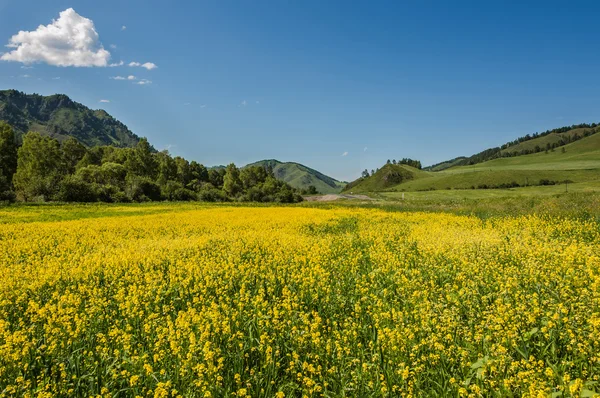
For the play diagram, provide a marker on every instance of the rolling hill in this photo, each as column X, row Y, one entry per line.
column 578, row 162
column 389, row 176
column 60, row 117
column 301, row 177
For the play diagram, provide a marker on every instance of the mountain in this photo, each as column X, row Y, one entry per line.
column 301, row 177
column 60, row 117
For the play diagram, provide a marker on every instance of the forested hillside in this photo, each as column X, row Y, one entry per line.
column 59, row 117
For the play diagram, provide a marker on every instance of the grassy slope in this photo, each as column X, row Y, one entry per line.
column 580, row 163
column 300, row 176
column 548, row 139
column 387, row 177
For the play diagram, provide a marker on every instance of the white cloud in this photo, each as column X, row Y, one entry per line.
column 147, row 65
column 345, row 153
column 113, row 46
column 26, row 67
column 143, row 82
column 244, row 103
column 120, row 63
column 123, row 27
column 25, row 76
column 130, row 77
column 365, row 150
column 56, row 78
column 70, row 40
column 105, row 101
column 187, row 104
column 202, row 106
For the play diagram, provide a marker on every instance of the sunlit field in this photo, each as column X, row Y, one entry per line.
column 215, row 301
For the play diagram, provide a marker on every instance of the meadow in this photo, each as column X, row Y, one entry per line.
column 194, row 300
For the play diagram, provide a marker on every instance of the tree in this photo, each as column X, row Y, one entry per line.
column 38, row 167
column 215, row 177
column 184, row 171
column 167, row 168
column 252, row 176
column 198, row 172
column 141, row 161
column 365, row 173
column 72, row 153
column 8, row 152
column 232, row 185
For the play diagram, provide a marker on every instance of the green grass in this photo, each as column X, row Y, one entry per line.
column 553, row 138
column 580, row 163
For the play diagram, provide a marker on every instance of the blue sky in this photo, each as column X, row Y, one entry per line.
column 339, row 86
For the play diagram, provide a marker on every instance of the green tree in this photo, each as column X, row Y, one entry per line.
column 215, row 177
column 38, row 167
column 232, row 185
column 167, row 168
column 198, row 172
column 141, row 161
column 184, row 171
column 72, row 153
column 8, row 152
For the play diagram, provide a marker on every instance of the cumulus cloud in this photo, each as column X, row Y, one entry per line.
column 118, row 78
column 123, row 27
column 202, row 106
column 345, row 153
column 56, row 78
column 244, row 103
column 26, row 76
column 143, row 82
column 113, row 46
column 70, row 40
column 147, row 65
column 116, row 64
column 105, row 101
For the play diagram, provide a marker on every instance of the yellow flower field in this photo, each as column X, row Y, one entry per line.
column 219, row 301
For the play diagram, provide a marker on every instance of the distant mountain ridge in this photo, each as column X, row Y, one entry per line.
column 300, row 176
column 60, row 117
column 526, row 145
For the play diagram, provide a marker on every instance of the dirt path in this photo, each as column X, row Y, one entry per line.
column 331, row 197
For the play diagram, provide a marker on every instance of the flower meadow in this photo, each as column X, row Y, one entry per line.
column 231, row 301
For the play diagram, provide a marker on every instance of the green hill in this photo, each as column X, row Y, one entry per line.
column 60, row 117
column 389, row 176
column 578, row 162
column 301, row 177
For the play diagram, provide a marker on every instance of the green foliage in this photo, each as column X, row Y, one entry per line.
column 141, row 161
column 8, row 152
column 300, row 176
column 232, row 184
column 39, row 167
column 60, row 117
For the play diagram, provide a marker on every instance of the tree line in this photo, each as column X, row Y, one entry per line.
column 44, row 169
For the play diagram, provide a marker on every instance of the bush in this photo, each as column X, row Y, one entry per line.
column 141, row 189
column 183, row 195
column 212, row 195
column 73, row 189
